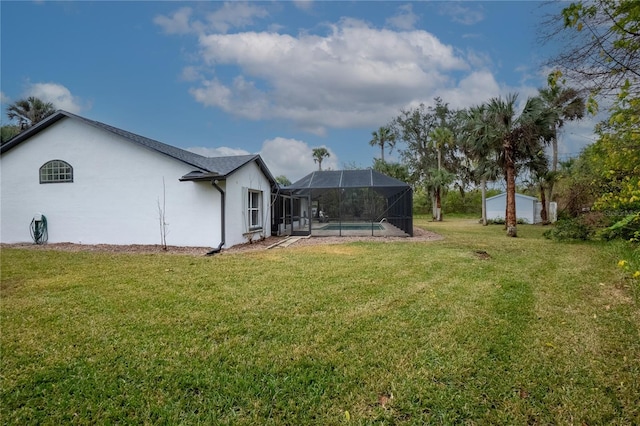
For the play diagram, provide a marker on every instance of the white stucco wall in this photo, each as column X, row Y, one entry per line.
column 525, row 207
column 249, row 176
column 114, row 196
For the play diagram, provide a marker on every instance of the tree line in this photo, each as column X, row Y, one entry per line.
column 502, row 139
column 462, row 148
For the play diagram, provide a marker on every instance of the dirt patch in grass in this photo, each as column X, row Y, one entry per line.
column 419, row 235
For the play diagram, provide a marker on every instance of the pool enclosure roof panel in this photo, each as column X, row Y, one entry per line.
column 331, row 179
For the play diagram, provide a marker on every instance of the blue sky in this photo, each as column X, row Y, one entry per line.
column 274, row 78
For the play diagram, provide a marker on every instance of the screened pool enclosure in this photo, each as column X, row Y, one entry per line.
column 345, row 203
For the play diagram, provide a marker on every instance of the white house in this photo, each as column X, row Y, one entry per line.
column 527, row 208
column 95, row 183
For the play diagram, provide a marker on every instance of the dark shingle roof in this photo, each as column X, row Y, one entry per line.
column 209, row 166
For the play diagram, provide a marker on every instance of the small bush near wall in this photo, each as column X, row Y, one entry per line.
column 501, row 221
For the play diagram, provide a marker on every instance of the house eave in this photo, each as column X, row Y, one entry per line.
column 197, row 176
column 26, row 134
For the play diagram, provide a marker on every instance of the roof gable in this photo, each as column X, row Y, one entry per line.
column 212, row 167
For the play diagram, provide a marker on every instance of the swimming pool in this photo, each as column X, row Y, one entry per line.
column 353, row 227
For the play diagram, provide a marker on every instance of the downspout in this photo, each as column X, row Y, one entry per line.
column 222, row 221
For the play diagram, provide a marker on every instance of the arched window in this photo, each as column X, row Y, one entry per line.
column 56, row 171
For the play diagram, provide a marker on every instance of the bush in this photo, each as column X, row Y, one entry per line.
column 501, row 221
column 421, row 202
column 627, row 228
column 571, row 229
column 454, row 202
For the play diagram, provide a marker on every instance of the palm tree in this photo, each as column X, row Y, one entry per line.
column 320, row 154
column 483, row 150
column 283, row 180
column 30, row 111
column 564, row 103
column 395, row 170
column 442, row 137
column 517, row 134
column 383, row 136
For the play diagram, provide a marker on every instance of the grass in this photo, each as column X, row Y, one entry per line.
column 539, row 332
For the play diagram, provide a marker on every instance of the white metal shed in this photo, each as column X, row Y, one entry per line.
column 525, row 207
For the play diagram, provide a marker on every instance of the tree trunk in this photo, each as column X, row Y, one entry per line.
column 438, row 206
column 511, row 219
column 382, row 152
column 483, row 188
column 554, row 168
column 543, row 202
column 554, row 145
column 433, row 205
column 548, row 197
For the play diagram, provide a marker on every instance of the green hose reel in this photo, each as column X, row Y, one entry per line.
column 39, row 232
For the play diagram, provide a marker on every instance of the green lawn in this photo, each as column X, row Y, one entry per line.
column 387, row 333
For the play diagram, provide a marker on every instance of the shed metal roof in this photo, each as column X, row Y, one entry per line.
column 518, row 195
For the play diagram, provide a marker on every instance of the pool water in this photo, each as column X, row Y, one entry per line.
column 353, row 227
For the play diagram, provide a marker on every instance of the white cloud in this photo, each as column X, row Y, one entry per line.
column 405, row 19
column 177, row 23
column 289, row 157
column 229, row 15
column 479, row 60
column 355, row 75
column 474, row 89
column 191, row 74
column 212, row 93
column 242, row 98
column 293, row 158
column 274, row 28
column 222, row 151
column 57, row 94
column 465, row 15
column 4, row 98
column 235, row 15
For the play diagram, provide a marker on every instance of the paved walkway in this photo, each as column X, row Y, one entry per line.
column 286, row 242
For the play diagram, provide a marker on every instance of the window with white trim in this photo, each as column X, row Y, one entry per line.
column 56, row 171
column 254, row 209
